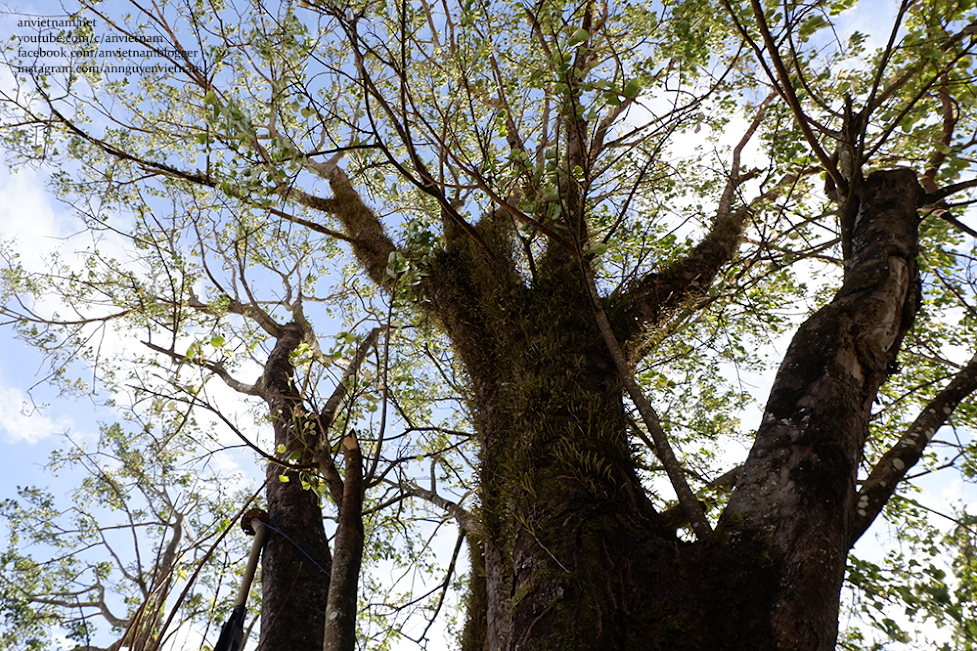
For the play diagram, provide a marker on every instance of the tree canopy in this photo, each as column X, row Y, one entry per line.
column 475, row 293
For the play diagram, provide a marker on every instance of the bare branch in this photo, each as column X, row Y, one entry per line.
column 676, row 475
column 466, row 521
column 327, row 416
column 216, row 367
column 894, row 464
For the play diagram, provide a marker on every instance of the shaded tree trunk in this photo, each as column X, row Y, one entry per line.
column 294, row 590
column 340, row 631
column 797, row 491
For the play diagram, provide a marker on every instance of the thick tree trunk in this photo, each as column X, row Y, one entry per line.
column 574, row 556
column 564, row 518
column 294, row 589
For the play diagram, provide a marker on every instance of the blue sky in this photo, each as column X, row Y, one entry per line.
column 34, row 415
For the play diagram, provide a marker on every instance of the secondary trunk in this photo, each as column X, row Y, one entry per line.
column 797, row 490
column 294, row 585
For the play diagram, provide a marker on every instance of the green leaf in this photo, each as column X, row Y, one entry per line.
column 597, row 250
column 812, row 25
column 579, row 36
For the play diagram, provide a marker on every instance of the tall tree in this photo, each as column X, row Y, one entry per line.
column 515, row 178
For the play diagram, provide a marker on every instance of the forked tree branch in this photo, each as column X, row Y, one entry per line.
column 215, row 367
column 327, row 416
column 650, row 298
column 330, row 205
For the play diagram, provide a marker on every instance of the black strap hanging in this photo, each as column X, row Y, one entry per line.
column 232, row 632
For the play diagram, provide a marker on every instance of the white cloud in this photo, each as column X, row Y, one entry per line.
column 27, row 217
column 23, row 422
column 874, row 18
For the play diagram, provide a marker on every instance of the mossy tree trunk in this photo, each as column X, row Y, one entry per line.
column 570, row 553
column 563, row 514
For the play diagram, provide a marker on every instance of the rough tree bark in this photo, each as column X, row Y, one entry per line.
column 797, row 492
column 294, row 591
